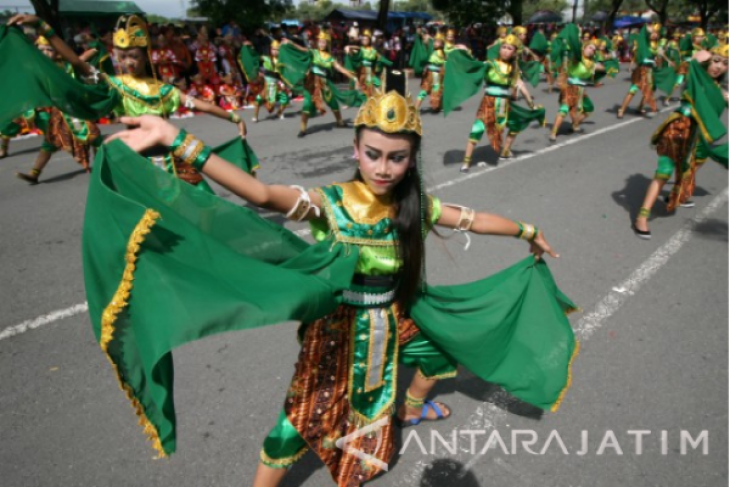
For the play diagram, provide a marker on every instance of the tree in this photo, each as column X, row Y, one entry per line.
column 48, row 11
column 708, row 9
column 530, row 8
column 464, row 12
column 250, row 14
column 660, row 8
column 515, row 10
column 383, row 14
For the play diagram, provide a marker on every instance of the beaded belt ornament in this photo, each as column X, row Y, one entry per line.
column 367, row 299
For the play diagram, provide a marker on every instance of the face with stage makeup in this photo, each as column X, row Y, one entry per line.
column 384, row 159
column 717, row 66
column 132, row 61
column 507, row 52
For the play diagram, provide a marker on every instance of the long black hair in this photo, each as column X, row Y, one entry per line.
column 408, row 223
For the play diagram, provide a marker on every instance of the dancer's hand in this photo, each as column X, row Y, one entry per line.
column 539, row 246
column 24, row 19
column 242, row 129
column 88, row 54
column 702, row 56
column 147, row 131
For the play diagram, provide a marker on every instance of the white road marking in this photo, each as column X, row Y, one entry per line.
column 43, row 320
column 611, row 303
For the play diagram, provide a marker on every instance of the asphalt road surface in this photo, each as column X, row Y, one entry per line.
column 653, row 330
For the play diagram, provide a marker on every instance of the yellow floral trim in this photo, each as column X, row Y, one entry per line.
column 568, row 383
column 118, row 303
column 445, row 375
column 282, row 462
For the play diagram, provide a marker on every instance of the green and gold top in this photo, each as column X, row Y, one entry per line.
column 436, row 60
column 270, row 65
column 143, row 96
column 352, row 214
column 499, row 73
column 369, row 56
column 579, row 73
column 322, row 63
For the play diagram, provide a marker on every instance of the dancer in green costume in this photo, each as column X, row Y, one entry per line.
column 646, row 50
column 137, row 92
column 61, row 131
column 684, row 140
column 580, row 68
column 360, row 291
column 367, row 62
column 465, row 76
column 312, row 72
column 265, row 71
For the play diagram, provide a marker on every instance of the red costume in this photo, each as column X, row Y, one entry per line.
column 166, row 63
column 205, row 57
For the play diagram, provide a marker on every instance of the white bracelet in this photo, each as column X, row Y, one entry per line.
column 189, row 102
column 466, row 219
column 301, row 208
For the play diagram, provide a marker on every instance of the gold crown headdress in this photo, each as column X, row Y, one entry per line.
column 439, row 36
column 366, row 33
column 275, row 45
column 501, row 30
column 720, row 50
column 656, row 27
column 698, row 32
column 390, row 112
column 42, row 41
column 324, row 35
column 512, row 40
column 519, row 30
column 676, row 34
column 131, row 32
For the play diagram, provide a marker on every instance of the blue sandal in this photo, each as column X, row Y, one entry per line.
column 424, row 415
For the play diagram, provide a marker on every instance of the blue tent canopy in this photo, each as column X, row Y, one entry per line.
column 629, row 21
column 372, row 16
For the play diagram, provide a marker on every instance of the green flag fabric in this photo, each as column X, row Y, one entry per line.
column 530, row 71
column 464, row 76
column 165, row 265
column 240, row 154
column 519, row 118
column 707, row 102
column 35, row 81
column 539, row 44
column 295, row 65
column 250, row 61
column 420, row 53
column 665, row 79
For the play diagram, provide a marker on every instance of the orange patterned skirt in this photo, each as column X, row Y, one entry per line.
column 317, row 403
column 675, row 141
column 61, row 136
